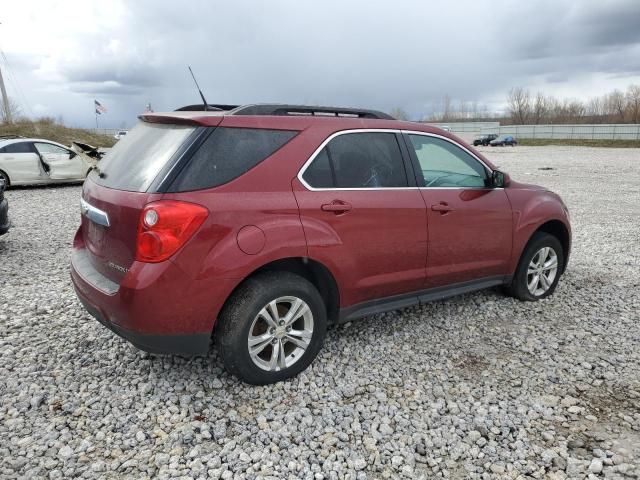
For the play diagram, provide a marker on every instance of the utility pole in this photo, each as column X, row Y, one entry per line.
column 5, row 100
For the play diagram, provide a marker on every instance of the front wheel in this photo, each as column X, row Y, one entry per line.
column 271, row 328
column 539, row 269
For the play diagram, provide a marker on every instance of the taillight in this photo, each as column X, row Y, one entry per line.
column 165, row 226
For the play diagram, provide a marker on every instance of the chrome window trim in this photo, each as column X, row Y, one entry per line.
column 317, row 151
column 94, row 214
column 324, row 144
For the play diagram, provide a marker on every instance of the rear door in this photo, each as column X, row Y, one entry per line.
column 470, row 223
column 363, row 216
column 21, row 162
column 63, row 164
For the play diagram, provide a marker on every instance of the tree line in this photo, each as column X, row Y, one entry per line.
column 525, row 108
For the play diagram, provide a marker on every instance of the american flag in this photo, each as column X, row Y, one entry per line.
column 100, row 109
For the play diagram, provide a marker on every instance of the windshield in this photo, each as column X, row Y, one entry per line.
column 135, row 161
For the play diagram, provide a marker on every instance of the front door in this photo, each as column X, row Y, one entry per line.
column 362, row 217
column 63, row 164
column 470, row 223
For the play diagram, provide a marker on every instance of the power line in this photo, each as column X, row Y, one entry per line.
column 16, row 86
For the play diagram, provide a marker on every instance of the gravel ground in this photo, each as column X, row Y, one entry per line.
column 479, row 386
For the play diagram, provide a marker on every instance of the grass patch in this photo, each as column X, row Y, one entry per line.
column 48, row 129
column 541, row 142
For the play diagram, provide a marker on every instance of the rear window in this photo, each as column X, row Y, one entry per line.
column 135, row 161
column 228, row 153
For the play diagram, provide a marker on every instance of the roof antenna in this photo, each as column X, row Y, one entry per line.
column 204, row 101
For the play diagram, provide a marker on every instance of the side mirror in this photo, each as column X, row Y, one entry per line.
column 500, row 179
column 72, row 154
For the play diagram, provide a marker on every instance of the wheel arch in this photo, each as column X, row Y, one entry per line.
column 558, row 229
column 313, row 271
column 6, row 176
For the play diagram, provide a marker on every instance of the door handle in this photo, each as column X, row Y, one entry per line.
column 441, row 207
column 337, row 207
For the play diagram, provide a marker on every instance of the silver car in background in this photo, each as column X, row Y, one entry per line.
column 32, row 161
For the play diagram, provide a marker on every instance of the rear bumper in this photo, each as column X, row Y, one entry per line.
column 177, row 344
column 156, row 307
column 4, row 216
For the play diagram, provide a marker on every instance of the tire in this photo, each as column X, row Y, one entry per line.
column 5, row 177
column 519, row 287
column 247, row 312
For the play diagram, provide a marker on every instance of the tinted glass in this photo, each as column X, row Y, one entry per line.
column 444, row 164
column 228, row 153
column 49, row 148
column 319, row 174
column 134, row 162
column 20, row 147
column 365, row 160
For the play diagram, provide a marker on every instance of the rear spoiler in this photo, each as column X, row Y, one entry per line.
column 182, row 118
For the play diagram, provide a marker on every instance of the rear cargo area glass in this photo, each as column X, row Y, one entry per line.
column 135, row 161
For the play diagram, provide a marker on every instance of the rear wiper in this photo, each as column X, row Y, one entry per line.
column 97, row 169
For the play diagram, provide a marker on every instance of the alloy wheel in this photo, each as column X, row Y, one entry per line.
column 542, row 271
column 280, row 333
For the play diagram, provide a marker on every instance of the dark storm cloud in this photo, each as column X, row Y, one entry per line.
column 610, row 24
column 105, row 88
column 581, row 28
column 125, row 75
column 377, row 54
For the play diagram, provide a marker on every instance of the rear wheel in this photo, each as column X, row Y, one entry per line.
column 271, row 328
column 539, row 269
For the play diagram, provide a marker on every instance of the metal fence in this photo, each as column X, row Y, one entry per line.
column 619, row 131
column 108, row 131
column 582, row 132
column 468, row 127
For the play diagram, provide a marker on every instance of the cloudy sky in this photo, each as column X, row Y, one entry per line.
column 60, row 55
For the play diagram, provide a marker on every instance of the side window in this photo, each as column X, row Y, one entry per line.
column 444, row 164
column 51, row 149
column 20, row 147
column 320, row 174
column 228, row 153
column 358, row 160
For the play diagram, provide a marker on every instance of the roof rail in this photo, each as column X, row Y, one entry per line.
column 290, row 110
column 283, row 109
column 211, row 107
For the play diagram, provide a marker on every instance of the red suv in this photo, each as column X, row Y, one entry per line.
column 264, row 223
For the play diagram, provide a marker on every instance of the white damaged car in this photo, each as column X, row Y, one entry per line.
column 32, row 161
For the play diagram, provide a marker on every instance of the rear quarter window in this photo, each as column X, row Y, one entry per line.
column 19, row 147
column 226, row 154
